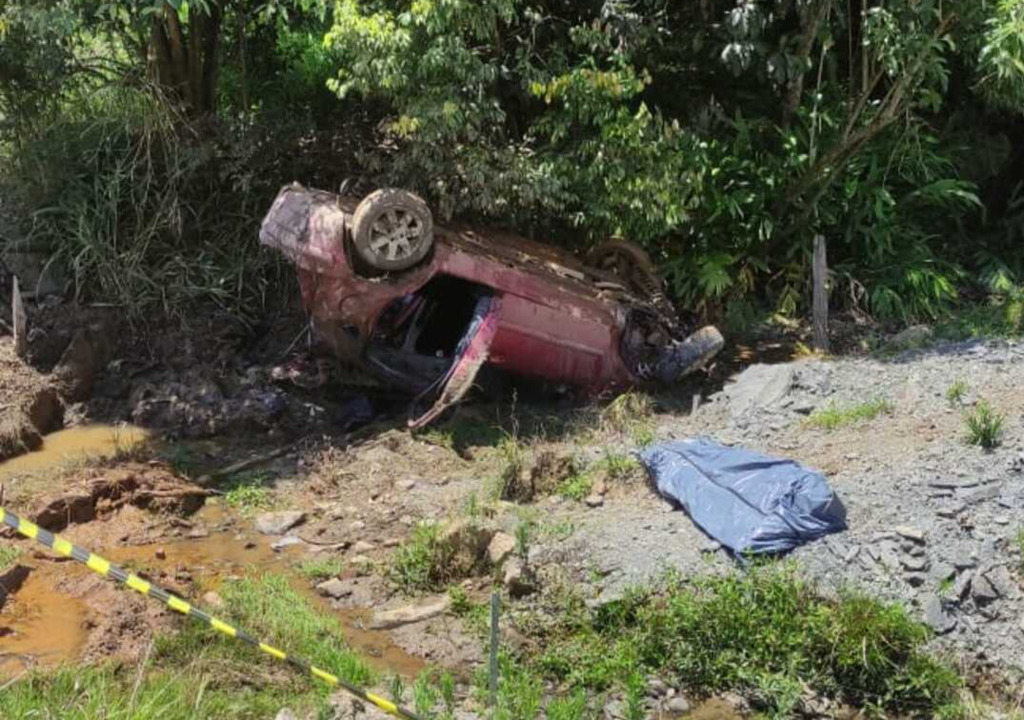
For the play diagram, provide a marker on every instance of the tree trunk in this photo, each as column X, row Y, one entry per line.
column 185, row 61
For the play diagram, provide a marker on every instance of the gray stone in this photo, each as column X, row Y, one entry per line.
column 677, row 705
column 518, row 579
column 943, row 572
column 362, row 547
column 915, row 564
column 991, row 492
column 936, row 616
column 615, row 710
column 278, row 523
column 962, row 585
column 1002, row 580
column 500, row 548
column 408, row 614
column 759, row 386
column 657, row 687
column 285, row 542
column 593, row 500
column 285, row 714
column 910, row 533
column 982, row 590
column 334, row 588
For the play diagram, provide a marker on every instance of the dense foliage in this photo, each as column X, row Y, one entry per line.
column 724, row 135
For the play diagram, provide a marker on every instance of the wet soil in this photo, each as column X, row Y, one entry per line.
column 142, row 518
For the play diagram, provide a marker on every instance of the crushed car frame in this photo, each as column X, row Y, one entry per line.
column 423, row 307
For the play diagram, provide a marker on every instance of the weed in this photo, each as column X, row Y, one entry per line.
column 440, row 438
column 956, row 392
column 619, row 467
column 461, row 604
column 424, row 695
column 396, row 685
column 191, row 673
column 576, row 487
column 636, row 693
column 513, row 458
column 1001, row 316
column 249, row 497
column 525, row 531
column 560, row 530
column 834, row 417
column 322, row 568
column 8, row 554
column 764, row 631
column 423, row 562
column 984, row 426
column 630, row 414
column 573, row 707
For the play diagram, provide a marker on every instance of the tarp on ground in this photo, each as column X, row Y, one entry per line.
column 749, row 502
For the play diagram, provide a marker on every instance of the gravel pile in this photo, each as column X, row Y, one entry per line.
column 933, row 521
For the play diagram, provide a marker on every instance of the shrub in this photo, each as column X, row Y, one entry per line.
column 984, row 426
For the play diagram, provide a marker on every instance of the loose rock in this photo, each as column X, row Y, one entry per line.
column 278, row 523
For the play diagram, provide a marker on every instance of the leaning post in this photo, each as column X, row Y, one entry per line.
column 820, row 302
column 19, row 321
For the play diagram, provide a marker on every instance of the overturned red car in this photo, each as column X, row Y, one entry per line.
column 423, row 307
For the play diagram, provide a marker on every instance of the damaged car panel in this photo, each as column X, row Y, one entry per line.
column 423, row 307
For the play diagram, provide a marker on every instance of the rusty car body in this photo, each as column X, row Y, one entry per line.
column 426, row 319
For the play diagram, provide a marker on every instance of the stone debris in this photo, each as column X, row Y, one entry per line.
column 500, row 548
column 408, row 614
column 278, row 523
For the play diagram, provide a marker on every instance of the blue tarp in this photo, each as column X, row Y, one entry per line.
column 750, row 503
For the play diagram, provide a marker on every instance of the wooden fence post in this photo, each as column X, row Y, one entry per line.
column 820, row 280
column 20, row 322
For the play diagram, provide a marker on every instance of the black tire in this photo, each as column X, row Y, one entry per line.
column 392, row 230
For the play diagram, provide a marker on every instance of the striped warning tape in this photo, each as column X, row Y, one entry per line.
column 109, row 570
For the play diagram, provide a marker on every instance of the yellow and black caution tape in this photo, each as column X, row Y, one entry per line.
column 136, row 583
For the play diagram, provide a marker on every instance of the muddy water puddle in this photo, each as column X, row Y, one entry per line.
column 46, row 627
column 73, row 445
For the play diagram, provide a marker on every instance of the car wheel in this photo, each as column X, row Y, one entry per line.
column 631, row 265
column 392, row 230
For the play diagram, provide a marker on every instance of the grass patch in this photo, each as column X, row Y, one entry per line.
column 834, row 417
column 196, row 673
column 765, row 632
column 423, row 563
column 8, row 555
column 956, row 392
column 630, row 414
column 322, row 568
column 984, row 426
column 1000, row 316
column 250, row 493
column 577, row 487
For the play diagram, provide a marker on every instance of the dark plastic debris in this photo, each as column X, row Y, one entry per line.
column 750, row 503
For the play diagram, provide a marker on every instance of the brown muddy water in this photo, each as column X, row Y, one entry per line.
column 75, row 445
column 40, row 626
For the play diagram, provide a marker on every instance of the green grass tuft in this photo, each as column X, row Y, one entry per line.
column 322, row 568
column 423, row 562
column 984, row 426
column 834, row 417
column 8, row 554
column 576, row 487
column 764, row 632
column 956, row 392
column 196, row 673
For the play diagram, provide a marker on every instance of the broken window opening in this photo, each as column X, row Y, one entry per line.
column 417, row 336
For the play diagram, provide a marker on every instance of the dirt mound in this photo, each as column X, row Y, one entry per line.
column 30, row 407
column 100, row 492
column 543, row 477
